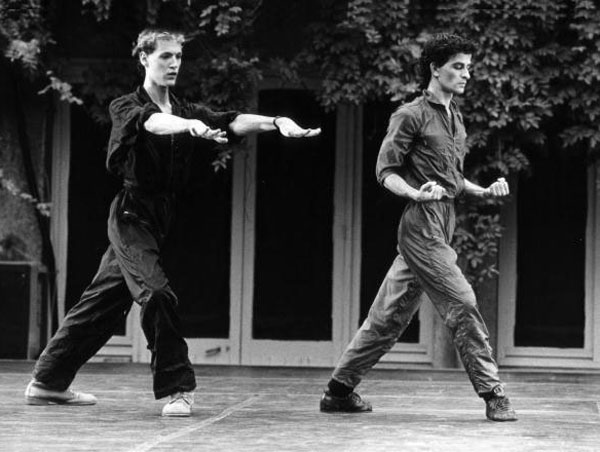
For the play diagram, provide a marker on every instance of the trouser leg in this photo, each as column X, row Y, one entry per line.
column 138, row 255
column 394, row 306
column 86, row 327
column 433, row 261
column 171, row 368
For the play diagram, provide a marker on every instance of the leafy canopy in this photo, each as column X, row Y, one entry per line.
column 537, row 64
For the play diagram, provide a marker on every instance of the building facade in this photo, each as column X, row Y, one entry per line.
column 277, row 259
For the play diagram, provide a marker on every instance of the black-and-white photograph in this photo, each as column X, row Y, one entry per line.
column 303, row 225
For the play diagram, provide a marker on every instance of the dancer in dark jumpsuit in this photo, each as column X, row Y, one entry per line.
column 152, row 138
column 421, row 158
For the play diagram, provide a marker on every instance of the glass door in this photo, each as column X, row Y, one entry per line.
column 90, row 192
column 381, row 212
column 549, row 309
column 287, row 306
column 197, row 259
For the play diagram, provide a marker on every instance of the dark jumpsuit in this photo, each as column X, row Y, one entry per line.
column 154, row 169
column 423, row 143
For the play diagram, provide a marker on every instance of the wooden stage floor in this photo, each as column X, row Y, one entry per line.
column 265, row 409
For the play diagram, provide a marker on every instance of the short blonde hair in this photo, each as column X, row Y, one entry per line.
column 148, row 38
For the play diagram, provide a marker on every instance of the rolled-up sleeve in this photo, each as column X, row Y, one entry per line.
column 128, row 117
column 398, row 142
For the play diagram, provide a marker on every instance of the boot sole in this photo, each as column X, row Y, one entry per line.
column 41, row 401
column 338, row 410
column 345, row 411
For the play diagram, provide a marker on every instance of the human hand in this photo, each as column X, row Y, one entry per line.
column 430, row 191
column 288, row 128
column 498, row 188
column 198, row 129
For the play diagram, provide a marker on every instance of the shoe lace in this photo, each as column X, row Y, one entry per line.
column 501, row 404
column 354, row 397
column 72, row 391
column 187, row 397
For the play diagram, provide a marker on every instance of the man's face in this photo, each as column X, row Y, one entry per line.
column 162, row 65
column 454, row 74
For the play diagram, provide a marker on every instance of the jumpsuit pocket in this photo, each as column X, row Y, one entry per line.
column 129, row 217
column 431, row 222
column 128, row 211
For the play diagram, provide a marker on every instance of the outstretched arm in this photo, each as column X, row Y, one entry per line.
column 245, row 124
column 497, row 189
column 166, row 124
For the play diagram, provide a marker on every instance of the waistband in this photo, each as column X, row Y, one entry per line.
column 444, row 201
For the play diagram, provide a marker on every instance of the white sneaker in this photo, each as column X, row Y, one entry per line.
column 37, row 393
column 180, row 405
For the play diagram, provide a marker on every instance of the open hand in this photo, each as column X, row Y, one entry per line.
column 199, row 129
column 498, row 188
column 288, row 128
column 431, row 191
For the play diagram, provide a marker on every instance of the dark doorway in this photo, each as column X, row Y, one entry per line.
column 91, row 190
column 294, row 220
column 552, row 215
column 197, row 253
column 381, row 212
column 198, row 250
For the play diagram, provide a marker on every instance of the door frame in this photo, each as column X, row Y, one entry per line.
column 347, row 257
column 238, row 348
column 119, row 347
column 59, row 193
column 346, row 253
column 580, row 358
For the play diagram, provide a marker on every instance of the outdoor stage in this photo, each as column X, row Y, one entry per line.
column 266, row 409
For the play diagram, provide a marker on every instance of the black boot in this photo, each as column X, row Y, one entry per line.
column 352, row 403
column 498, row 407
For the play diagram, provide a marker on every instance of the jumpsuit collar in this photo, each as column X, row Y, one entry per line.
column 433, row 99
column 145, row 97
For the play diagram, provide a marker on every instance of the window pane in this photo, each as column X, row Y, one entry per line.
column 294, row 218
column 381, row 212
column 552, row 209
column 91, row 190
column 197, row 253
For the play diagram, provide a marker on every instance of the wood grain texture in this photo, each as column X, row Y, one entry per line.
column 264, row 409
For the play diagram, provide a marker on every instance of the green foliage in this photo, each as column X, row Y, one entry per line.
column 222, row 17
column 223, row 75
column 537, row 60
column 64, row 89
column 11, row 187
column 582, row 94
column 476, row 241
column 22, row 32
column 24, row 37
column 99, row 8
column 518, row 75
column 364, row 54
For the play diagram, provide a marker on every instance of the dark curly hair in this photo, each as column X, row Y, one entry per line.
column 438, row 50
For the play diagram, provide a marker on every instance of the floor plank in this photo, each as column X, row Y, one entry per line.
column 262, row 409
